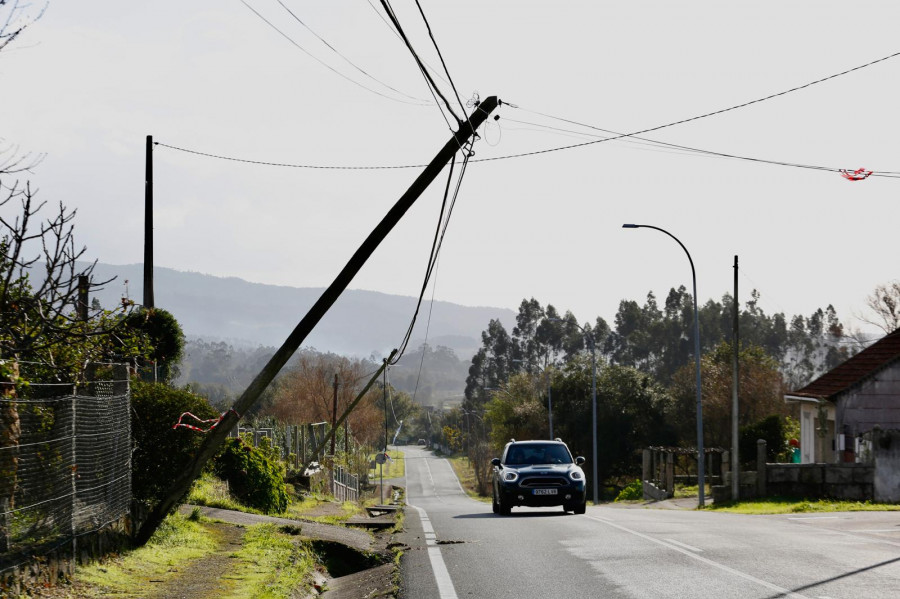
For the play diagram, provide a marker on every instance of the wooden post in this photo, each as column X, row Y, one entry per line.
column 148, row 225
column 334, row 413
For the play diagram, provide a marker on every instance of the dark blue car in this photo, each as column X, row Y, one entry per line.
column 538, row 474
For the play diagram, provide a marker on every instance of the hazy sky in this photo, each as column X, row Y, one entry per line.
column 87, row 82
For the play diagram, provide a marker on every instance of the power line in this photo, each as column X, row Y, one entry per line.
column 347, row 60
column 682, row 148
column 440, row 55
column 397, row 35
column 438, row 241
column 688, row 120
column 390, row 13
column 284, row 164
column 320, row 61
column 614, row 137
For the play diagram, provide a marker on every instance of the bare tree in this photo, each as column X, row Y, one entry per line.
column 16, row 16
column 884, row 304
column 39, row 288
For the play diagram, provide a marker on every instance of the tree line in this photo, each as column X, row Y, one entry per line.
column 645, row 376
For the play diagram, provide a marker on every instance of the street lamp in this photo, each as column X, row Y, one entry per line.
column 701, row 457
column 590, row 338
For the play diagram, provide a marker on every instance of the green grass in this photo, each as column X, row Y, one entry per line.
column 300, row 508
column 270, row 564
column 788, row 505
column 395, row 468
column 178, row 540
column 212, row 492
column 466, row 475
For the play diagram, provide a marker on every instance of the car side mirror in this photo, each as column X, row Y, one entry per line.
column 579, row 460
column 496, row 462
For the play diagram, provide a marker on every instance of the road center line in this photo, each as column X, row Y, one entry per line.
column 446, row 590
column 744, row 575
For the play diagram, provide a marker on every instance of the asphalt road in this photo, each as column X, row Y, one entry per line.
column 458, row 548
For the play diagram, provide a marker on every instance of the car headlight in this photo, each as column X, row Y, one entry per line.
column 576, row 475
column 510, row 476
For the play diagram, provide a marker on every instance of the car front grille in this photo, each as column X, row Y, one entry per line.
column 544, row 481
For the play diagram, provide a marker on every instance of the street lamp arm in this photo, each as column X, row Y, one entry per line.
column 678, row 241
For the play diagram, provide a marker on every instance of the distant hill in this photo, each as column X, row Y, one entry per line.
column 250, row 314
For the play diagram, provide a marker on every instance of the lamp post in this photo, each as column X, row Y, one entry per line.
column 701, row 456
column 590, row 338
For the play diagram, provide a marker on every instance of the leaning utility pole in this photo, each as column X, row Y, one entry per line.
column 216, row 436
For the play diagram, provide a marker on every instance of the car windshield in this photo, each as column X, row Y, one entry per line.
column 538, row 454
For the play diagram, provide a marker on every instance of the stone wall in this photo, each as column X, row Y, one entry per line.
column 886, row 454
column 853, row 482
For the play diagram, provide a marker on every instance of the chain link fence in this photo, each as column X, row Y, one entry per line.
column 65, row 462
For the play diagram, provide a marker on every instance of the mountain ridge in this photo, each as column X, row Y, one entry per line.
column 360, row 323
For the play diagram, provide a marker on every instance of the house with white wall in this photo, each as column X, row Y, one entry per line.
column 847, row 402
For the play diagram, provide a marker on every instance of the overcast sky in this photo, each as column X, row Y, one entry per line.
column 87, row 82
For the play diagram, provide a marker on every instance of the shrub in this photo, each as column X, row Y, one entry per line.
column 632, row 491
column 770, row 429
column 161, row 452
column 255, row 475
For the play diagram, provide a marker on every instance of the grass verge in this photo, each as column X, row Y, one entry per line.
column 213, row 492
column 178, row 540
column 466, row 475
column 394, row 468
column 270, row 564
column 789, row 505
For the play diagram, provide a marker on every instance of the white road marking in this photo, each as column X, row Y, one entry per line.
column 685, row 545
column 744, row 575
column 446, row 590
column 877, row 530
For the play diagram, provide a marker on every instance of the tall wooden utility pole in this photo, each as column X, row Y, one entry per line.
column 148, row 225
column 216, row 436
column 736, row 339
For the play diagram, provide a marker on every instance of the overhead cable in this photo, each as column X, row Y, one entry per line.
column 441, row 56
column 440, row 232
column 397, row 35
column 687, row 120
column 347, row 60
column 390, row 13
column 323, row 63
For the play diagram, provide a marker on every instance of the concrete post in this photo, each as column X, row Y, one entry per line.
column 645, row 470
column 761, row 467
column 670, row 474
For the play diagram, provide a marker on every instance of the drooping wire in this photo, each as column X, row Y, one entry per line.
column 682, row 148
column 323, row 63
column 694, row 118
column 432, row 85
column 347, row 60
column 284, row 164
column 441, row 56
column 438, row 241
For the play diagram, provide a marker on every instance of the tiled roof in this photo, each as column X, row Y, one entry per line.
column 862, row 365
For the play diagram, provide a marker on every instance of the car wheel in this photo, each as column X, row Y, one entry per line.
column 495, row 507
column 581, row 508
column 504, row 508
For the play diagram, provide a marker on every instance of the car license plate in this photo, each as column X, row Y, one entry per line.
column 545, row 491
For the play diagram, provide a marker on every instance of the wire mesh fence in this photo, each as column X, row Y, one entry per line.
column 65, row 462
